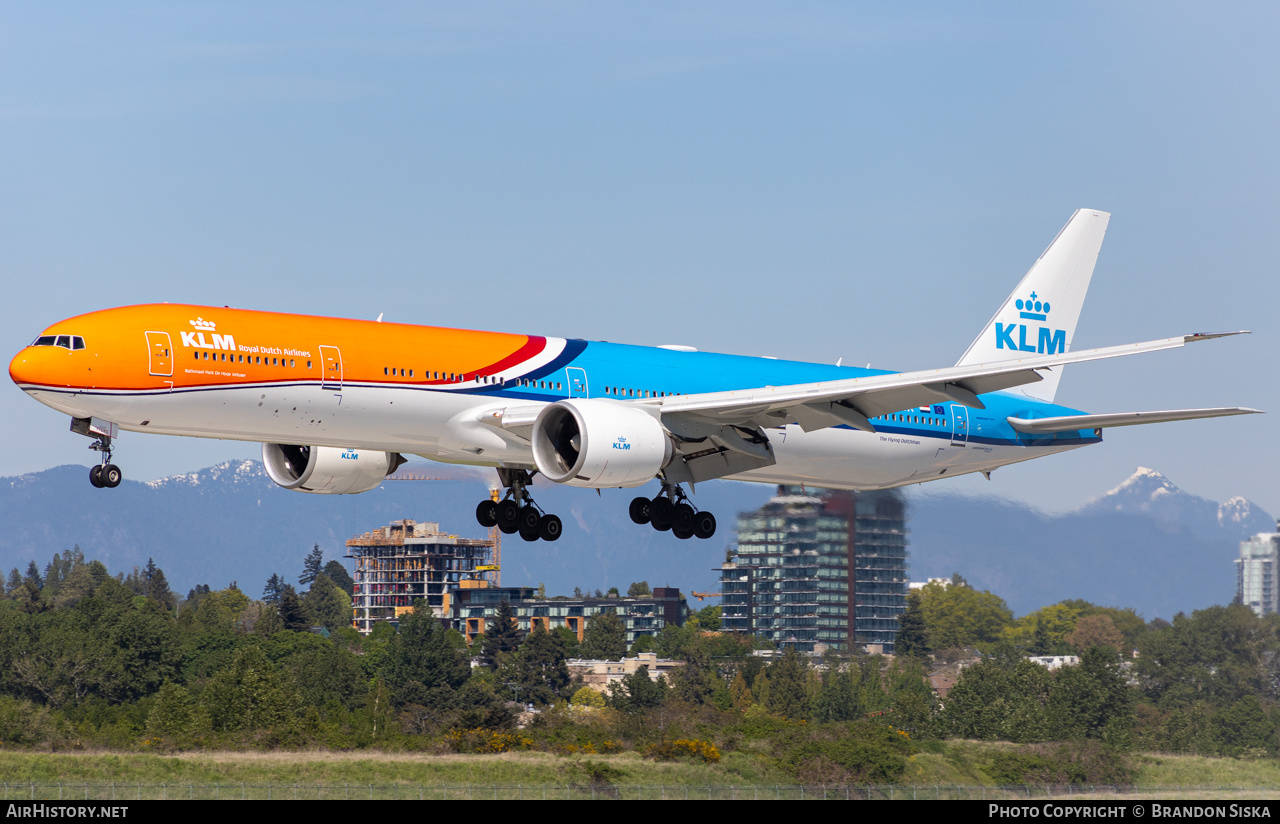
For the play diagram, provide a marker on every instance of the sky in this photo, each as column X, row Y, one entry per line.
column 807, row 180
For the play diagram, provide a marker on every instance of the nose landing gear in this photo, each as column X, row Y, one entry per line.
column 517, row 512
column 670, row 510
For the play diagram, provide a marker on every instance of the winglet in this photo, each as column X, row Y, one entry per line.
column 1211, row 335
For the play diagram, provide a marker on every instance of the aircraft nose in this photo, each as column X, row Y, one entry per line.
column 22, row 368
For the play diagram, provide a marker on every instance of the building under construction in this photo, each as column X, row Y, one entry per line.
column 397, row 565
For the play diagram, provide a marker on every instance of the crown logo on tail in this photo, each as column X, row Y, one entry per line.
column 1032, row 309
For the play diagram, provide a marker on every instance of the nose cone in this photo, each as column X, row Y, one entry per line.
column 22, row 369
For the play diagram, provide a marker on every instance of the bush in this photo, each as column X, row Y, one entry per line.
column 485, row 741
column 860, row 752
column 684, row 748
column 1086, row 762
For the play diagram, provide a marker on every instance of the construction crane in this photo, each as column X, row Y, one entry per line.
column 495, row 535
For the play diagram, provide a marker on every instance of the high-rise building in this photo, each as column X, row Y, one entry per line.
column 819, row 567
column 397, row 565
column 1256, row 569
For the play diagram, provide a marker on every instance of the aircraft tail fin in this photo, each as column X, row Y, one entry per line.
column 1040, row 315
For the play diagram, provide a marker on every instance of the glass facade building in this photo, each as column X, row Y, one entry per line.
column 1256, row 570
column 819, row 567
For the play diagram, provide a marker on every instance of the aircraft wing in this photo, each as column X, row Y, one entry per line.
column 855, row 401
column 1069, row 423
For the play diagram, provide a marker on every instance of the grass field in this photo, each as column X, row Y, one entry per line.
column 952, row 763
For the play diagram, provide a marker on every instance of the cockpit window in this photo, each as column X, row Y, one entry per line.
column 65, row 341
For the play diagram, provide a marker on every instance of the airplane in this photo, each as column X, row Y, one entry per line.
column 338, row 403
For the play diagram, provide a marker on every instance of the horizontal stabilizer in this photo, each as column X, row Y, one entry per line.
column 1069, row 423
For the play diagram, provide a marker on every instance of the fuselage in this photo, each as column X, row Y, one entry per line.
column 295, row 379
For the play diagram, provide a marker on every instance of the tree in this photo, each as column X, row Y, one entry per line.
column 311, row 566
column 339, row 575
column 959, row 616
column 326, row 605
column 638, row 589
column 250, row 695
column 605, row 637
column 1092, row 700
column 1217, row 655
column 540, row 667
column 1001, row 699
column 912, row 637
column 1095, row 631
column 587, row 697
column 421, row 666
column 612, row 593
column 501, row 635
column 709, row 618
column 33, row 575
column 637, row 692
column 274, row 589
column 788, row 695
column 292, row 612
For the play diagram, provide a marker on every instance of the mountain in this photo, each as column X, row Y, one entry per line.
column 230, row 522
column 1147, row 492
column 1145, row 544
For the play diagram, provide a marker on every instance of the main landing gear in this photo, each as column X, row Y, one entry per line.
column 105, row 474
column 670, row 510
column 517, row 512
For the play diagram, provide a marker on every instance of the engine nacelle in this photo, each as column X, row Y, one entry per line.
column 327, row 470
column 599, row 443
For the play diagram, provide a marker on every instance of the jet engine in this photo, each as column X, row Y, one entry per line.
column 599, row 443
column 328, row 470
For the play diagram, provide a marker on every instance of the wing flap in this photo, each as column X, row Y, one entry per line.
column 1069, row 423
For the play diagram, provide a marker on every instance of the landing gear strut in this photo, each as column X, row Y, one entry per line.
column 105, row 474
column 517, row 512
column 670, row 510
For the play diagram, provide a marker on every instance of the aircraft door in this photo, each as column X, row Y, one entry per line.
column 959, row 425
column 577, row 381
column 330, row 368
column 159, row 354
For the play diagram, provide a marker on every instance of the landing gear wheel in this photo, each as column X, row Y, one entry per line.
column 682, row 518
column 487, row 513
column 508, row 517
column 660, row 511
column 704, row 525
column 682, row 533
column 529, row 520
column 528, row 535
column 95, row 476
column 111, row 476
column 549, row 528
column 640, row 510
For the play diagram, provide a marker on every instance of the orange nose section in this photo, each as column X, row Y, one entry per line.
column 44, row 366
column 21, row 368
